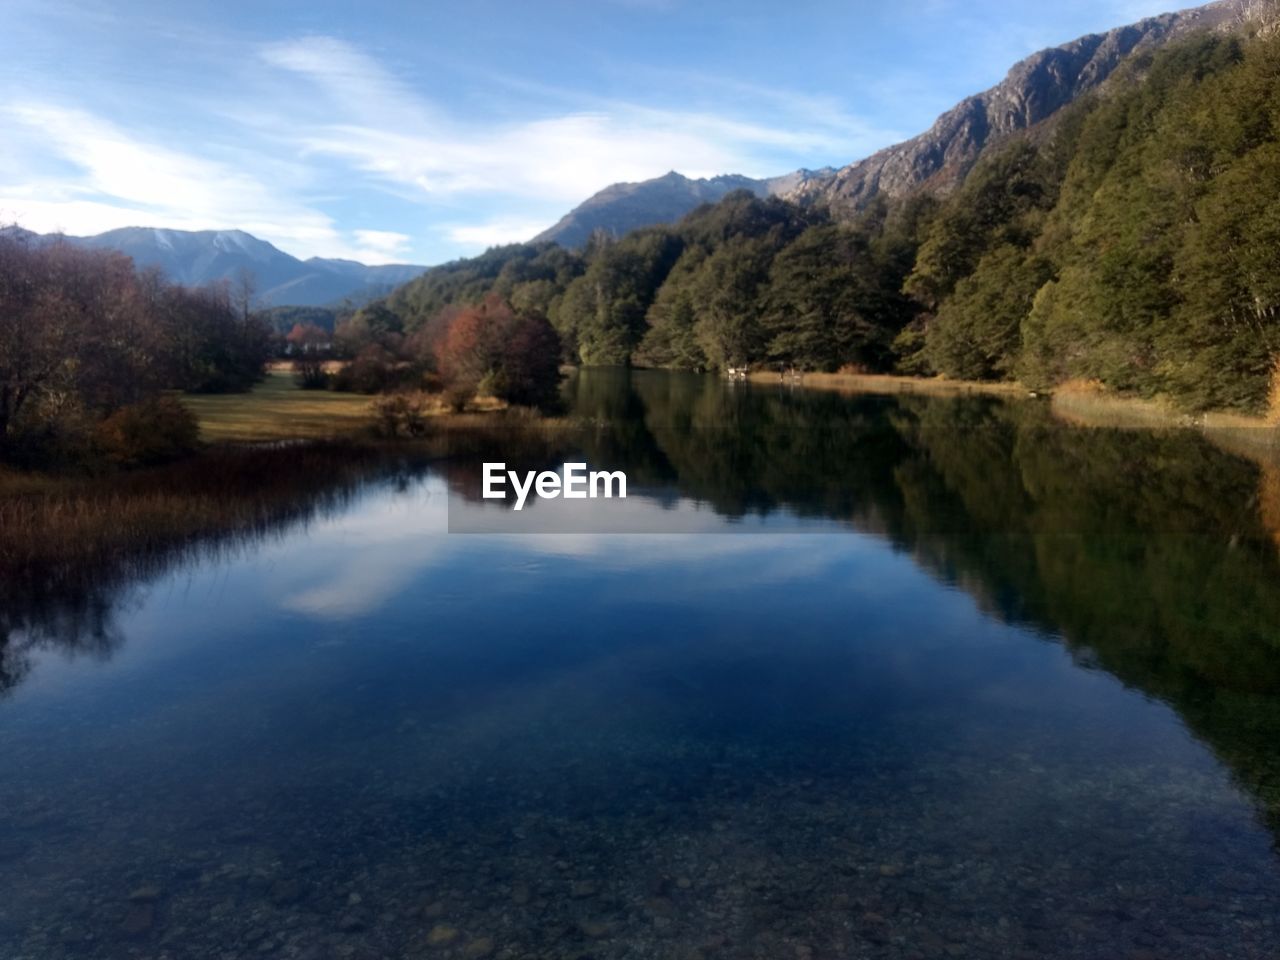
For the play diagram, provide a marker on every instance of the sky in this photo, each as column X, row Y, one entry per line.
column 423, row 131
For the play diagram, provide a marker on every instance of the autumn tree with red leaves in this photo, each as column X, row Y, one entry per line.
column 490, row 348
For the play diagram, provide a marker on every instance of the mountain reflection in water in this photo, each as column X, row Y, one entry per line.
column 339, row 732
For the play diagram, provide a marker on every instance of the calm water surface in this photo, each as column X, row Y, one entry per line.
column 939, row 678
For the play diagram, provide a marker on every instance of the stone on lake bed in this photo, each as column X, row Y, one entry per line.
column 582, row 889
column 478, row 948
column 351, row 923
column 596, row 929
column 284, row 892
column 660, row 906
column 442, row 935
column 147, row 894
column 138, row 920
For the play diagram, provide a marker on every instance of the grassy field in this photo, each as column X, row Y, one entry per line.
column 277, row 409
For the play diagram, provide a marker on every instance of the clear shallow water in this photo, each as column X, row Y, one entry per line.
column 1012, row 693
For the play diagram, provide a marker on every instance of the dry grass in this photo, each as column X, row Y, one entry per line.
column 886, row 384
column 1273, row 395
column 54, row 530
column 1087, row 404
column 277, row 409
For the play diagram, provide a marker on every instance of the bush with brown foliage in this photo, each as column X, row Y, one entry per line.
column 154, row 431
column 402, row 414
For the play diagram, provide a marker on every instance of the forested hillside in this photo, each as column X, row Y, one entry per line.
column 1135, row 241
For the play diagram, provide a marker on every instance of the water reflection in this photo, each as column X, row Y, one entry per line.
column 362, row 738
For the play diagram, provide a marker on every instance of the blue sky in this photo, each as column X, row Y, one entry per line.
column 418, row 132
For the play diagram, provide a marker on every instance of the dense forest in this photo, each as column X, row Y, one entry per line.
column 1132, row 241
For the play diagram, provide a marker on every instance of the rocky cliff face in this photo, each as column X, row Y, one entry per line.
column 1034, row 91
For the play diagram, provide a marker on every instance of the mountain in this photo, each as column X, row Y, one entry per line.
column 624, row 207
column 199, row 257
column 937, row 160
column 1034, row 90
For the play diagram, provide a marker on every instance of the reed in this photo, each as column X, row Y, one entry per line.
column 50, row 525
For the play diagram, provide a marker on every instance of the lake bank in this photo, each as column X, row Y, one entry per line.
column 269, row 457
column 889, row 384
column 1083, row 405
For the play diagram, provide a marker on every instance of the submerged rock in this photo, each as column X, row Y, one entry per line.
column 595, row 929
column 284, row 892
column 351, row 923
column 442, row 935
column 138, row 920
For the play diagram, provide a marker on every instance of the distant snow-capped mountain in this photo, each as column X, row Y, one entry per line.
column 202, row 256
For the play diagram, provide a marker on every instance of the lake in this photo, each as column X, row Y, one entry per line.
column 844, row 676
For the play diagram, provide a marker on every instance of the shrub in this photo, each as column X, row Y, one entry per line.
column 309, row 372
column 458, row 395
column 374, row 370
column 401, row 414
column 155, row 431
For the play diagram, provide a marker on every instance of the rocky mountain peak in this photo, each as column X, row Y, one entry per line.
column 1034, row 90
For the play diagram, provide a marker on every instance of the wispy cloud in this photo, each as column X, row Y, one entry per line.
column 460, row 128
column 385, row 244
column 375, row 123
column 494, row 232
column 115, row 179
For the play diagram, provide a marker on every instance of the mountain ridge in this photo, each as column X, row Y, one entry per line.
column 1032, row 92
column 623, row 207
column 197, row 257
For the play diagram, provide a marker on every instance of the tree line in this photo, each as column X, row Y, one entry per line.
column 742, row 281
column 1134, row 242
column 91, row 349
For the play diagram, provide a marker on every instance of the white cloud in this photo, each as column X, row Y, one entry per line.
column 382, row 245
column 326, row 122
column 494, row 232
column 122, row 180
column 379, row 126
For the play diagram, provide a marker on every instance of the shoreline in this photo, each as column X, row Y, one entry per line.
column 889, row 384
column 1082, row 405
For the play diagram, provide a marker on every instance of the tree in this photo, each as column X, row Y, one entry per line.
column 84, row 334
column 491, row 348
column 603, row 311
column 75, row 334
column 310, row 347
column 977, row 334
column 825, row 306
